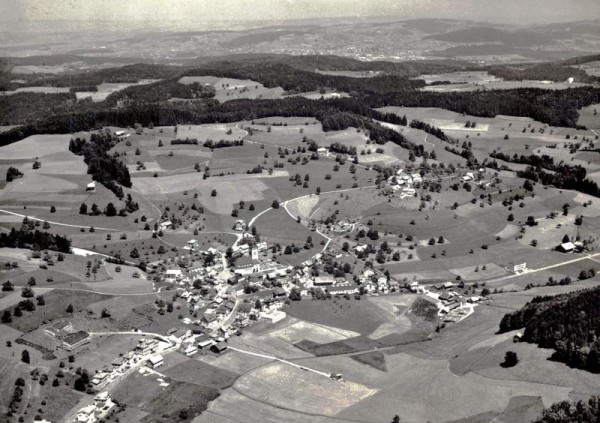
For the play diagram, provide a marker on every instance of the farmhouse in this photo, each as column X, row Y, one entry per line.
column 87, row 415
column 75, row 340
column 91, row 186
column 60, row 329
column 188, row 349
column 155, row 361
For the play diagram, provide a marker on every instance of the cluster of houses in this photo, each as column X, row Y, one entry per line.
column 404, row 183
column 452, row 305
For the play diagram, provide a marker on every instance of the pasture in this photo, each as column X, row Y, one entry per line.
column 234, row 89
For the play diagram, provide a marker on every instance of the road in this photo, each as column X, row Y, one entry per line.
column 541, row 269
column 281, row 360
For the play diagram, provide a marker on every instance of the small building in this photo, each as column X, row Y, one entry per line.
column 155, row 361
column 146, row 346
column 91, row 187
column 205, row 344
column 75, row 340
column 86, row 415
column 448, row 285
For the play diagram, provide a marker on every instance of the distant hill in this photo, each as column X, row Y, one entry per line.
column 523, row 38
column 567, row 323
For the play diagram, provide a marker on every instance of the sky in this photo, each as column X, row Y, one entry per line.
column 219, row 12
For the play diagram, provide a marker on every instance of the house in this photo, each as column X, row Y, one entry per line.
column 448, row 285
column 414, row 286
column 154, row 361
column 91, row 186
column 566, row 247
column 75, row 340
column 323, row 280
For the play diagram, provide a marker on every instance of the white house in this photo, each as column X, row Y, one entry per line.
column 91, row 186
column 274, row 316
column 173, row 275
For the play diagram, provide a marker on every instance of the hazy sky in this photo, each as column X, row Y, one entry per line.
column 214, row 12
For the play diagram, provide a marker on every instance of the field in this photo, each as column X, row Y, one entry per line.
column 233, row 89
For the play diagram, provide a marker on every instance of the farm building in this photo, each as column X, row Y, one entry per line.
column 219, row 348
column 91, row 186
column 188, row 349
column 75, row 340
column 155, row 361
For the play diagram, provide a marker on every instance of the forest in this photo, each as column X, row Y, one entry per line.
column 567, row 323
column 569, row 412
column 36, row 240
column 105, row 168
column 61, row 113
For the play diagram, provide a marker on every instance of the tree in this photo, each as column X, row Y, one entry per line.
column 510, row 359
column 213, row 193
column 8, row 286
column 25, row 357
column 52, row 209
column 105, row 313
column 69, row 308
column 80, row 385
column 531, row 221
column 110, row 210
column 275, row 204
column 17, row 311
column 527, row 185
column 251, row 207
column 31, row 281
column 27, row 292
column 6, row 317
